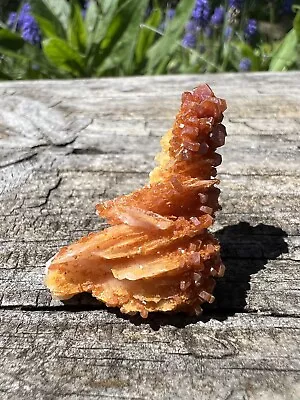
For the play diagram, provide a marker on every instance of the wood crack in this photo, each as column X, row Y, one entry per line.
column 50, row 190
column 91, row 151
column 20, row 160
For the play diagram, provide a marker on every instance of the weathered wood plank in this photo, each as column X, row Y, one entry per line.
column 60, row 355
column 64, row 146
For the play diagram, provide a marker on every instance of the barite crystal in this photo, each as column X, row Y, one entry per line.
column 157, row 255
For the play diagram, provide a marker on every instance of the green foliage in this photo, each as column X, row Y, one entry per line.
column 103, row 43
column 147, row 35
column 287, row 53
column 117, row 49
column 219, row 51
column 165, row 47
column 47, row 19
column 77, row 34
column 63, row 56
column 10, row 41
column 134, row 37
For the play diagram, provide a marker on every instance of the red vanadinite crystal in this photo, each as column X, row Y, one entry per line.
column 199, row 116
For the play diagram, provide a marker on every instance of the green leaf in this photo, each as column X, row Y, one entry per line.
column 47, row 27
column 53, row 27
column 98, row 19
column 91, row 19
column 164, row 48
column 10, row 40
column 286, row 54
column 124, row 51
column 119, row 21
column 146, row 36
column 63, row 56
column 296, row 24
column 60, row 8
column 76, row 29
column 118, row 45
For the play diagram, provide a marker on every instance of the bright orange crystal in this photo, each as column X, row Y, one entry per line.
column 158, row 254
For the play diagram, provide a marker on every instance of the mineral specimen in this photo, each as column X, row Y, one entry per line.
column 157, row 255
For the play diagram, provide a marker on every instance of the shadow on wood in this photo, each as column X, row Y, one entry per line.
column 245, row 251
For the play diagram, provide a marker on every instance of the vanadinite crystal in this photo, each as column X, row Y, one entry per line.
column 157, row 255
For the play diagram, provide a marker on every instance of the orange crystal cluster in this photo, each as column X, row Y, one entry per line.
column 158, row 254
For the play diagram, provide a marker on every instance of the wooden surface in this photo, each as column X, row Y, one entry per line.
column 66, row 145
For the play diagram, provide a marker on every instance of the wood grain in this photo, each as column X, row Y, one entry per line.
column 67, row 145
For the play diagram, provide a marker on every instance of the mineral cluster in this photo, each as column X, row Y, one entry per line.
column 157, row 255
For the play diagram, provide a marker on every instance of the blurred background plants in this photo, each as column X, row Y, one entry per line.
column 69, row 39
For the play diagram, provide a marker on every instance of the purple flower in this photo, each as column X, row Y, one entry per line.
column 26, row 24
column 237, row 4
column 208, row 32
column 287, row 6
column 170, row 14
column 228, row 32
column 23, row 13
column 30, row 30
column 201, row 12
column 85, row 7
column 191, row 26
column 189, row 40
column 251, row 29
column 245, row 64
column 218, row 16
column 12, row 20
